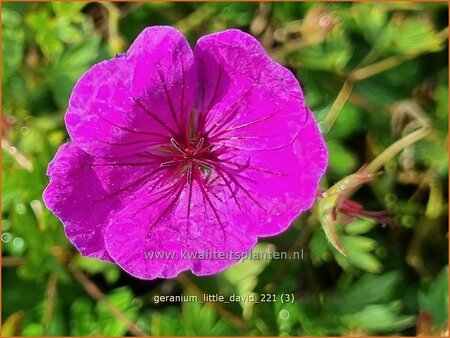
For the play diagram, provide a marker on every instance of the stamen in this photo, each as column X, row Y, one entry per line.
column 177, row 146
column 168, row 163
column 199, row 145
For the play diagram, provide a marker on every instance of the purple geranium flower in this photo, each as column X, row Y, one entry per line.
column 177, row 152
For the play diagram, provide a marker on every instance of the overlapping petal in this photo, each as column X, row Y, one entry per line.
column 246, row 99
column 176, row 231
column 226, row 214
column 272, row 187
column 85, row 192
column 137, row 100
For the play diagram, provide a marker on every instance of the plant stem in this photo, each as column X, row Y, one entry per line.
column 338, row 104
column 50, row 302
column 395, row 148
column 378, row 67
column 20, row 158
column 98, row 295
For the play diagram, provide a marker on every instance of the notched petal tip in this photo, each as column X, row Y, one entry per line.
column 158, row 71
column 152, row 36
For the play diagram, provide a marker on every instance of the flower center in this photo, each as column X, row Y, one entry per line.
column 193, row 158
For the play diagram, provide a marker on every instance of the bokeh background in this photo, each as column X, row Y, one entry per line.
column 387, row 63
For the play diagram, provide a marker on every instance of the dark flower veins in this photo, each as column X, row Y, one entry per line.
column 178, row 150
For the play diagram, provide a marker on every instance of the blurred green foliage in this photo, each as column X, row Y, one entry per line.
column 395, row 278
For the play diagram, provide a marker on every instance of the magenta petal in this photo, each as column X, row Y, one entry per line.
column 136, row 101
column 186, row 220
column 85, row 191
column 180, row 160
column 226, row 215
column 246, row 99
column 275, row 186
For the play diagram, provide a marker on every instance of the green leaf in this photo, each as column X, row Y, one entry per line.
column 237, row 13
column 441, row 98
column 13, row 37
column 243, row 276
column 358, row 243
column 33, row 329
column 166, row 322
column 319, row 247
column 46, row 36
column 369, row 289
column 365, row 260
column 341, row 161
column 430, row 152
column 68, row 68
column 287, row 315
column 370, row 19
column 69, row 11
column 348, row 122
column 68, row 33
column 332, row 55
column 201, row 320
column 411, row 35
column 83, row 321
column 379, row 318
column 93, row 266
column 435, row 300
column 125, row 301
column 360, row 226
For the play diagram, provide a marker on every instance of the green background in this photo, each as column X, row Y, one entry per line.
column 395, row 278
